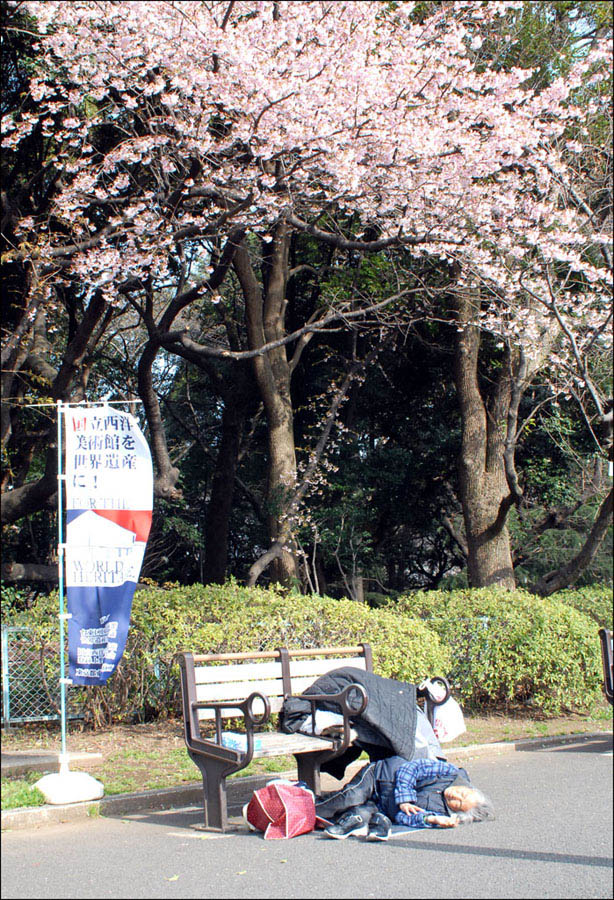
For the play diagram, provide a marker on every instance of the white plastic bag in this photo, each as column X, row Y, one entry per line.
column 324, row 720
column 449, row 721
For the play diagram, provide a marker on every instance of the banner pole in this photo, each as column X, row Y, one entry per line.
column 104, row 465
column 62, row 616
column 65, row 786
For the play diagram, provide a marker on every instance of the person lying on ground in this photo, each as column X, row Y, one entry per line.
column 423, row 781
column 418, row 793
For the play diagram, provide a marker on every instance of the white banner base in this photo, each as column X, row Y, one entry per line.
column 69, row 787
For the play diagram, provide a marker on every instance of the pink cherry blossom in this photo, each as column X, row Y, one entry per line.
column 288, row 109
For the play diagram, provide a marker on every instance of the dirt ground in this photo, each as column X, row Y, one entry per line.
column 166, row 735
column 162, row 735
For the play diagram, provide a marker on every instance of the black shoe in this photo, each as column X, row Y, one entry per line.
column 380, row 828
column 348, row 824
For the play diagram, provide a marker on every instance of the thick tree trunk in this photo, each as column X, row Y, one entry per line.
column 166, row 474
column 265, row 323
column 222, row 491
column 30, row 497
column 282, row 471
column 485, row 496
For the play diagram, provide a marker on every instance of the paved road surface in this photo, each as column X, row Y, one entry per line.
column 552, row 838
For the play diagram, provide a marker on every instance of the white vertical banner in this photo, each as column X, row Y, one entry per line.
column 109, row 498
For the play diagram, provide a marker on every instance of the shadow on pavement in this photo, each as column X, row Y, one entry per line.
column 503, row 853
column 587, row 745
column 187, row 817
column 190, row 819
column 184, row 817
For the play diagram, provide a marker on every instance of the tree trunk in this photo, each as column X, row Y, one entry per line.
column 484, row 492
column 281, row 474
column 35, row 495
column 26, row 573
column 166, row 475
column 266, row 309
column 358, row 588
column 222, row 490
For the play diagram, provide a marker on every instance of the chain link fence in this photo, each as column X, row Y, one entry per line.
column 31, row 680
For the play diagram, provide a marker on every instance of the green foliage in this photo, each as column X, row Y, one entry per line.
column 19, row 792
column 500, row 650
column 230, row 618
column 378, row 511
column 594, row 600
column 513, row 648
column 14, row 599
column 376, row 600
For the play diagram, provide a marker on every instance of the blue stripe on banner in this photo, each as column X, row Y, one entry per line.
column 97, row 630
column 72, row 514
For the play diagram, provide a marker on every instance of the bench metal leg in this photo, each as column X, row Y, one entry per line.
column 214, row 790
column 308, row 769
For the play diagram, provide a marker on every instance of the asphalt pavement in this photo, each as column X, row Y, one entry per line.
column 552, row 838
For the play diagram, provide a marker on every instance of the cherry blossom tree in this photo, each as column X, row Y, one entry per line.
column 188, row 140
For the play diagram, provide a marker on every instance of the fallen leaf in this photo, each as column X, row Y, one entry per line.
column 244, row 872
column 173, row 878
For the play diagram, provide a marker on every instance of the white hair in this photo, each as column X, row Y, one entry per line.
column 483, row 809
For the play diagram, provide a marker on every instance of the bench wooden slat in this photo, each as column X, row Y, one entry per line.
column 214, row 657
column 239, row 690
column 273, row 654
column 246, row 671
column 275, row 703
column 324, row 651
column 277, row 744
column 236, row 672
column 315, row 667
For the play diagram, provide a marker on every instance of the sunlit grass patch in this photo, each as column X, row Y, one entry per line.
column 19, row 792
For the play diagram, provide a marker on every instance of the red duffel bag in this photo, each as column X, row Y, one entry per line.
column 282, row 810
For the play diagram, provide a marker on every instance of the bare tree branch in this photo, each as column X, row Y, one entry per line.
column 567, row 574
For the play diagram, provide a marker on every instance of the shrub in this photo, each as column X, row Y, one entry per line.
column 513, row 648
column 595, row 600
column 230, row 618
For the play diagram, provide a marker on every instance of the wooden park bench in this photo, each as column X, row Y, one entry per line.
column 607, row 655
column 253, row 686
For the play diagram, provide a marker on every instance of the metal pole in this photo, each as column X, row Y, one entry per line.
column 6, row 674
column 62, row 616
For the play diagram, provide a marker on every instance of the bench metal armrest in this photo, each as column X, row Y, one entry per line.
column 607, row 656
column 251, row 719
column 429, row 695
column 348, row 709
column 431, row 700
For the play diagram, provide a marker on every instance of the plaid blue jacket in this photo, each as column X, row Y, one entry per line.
column 408, row 780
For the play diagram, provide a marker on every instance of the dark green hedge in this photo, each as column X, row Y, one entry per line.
column 595, row 600
column 499, row 649
column 511, row 648
column 231, row 618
